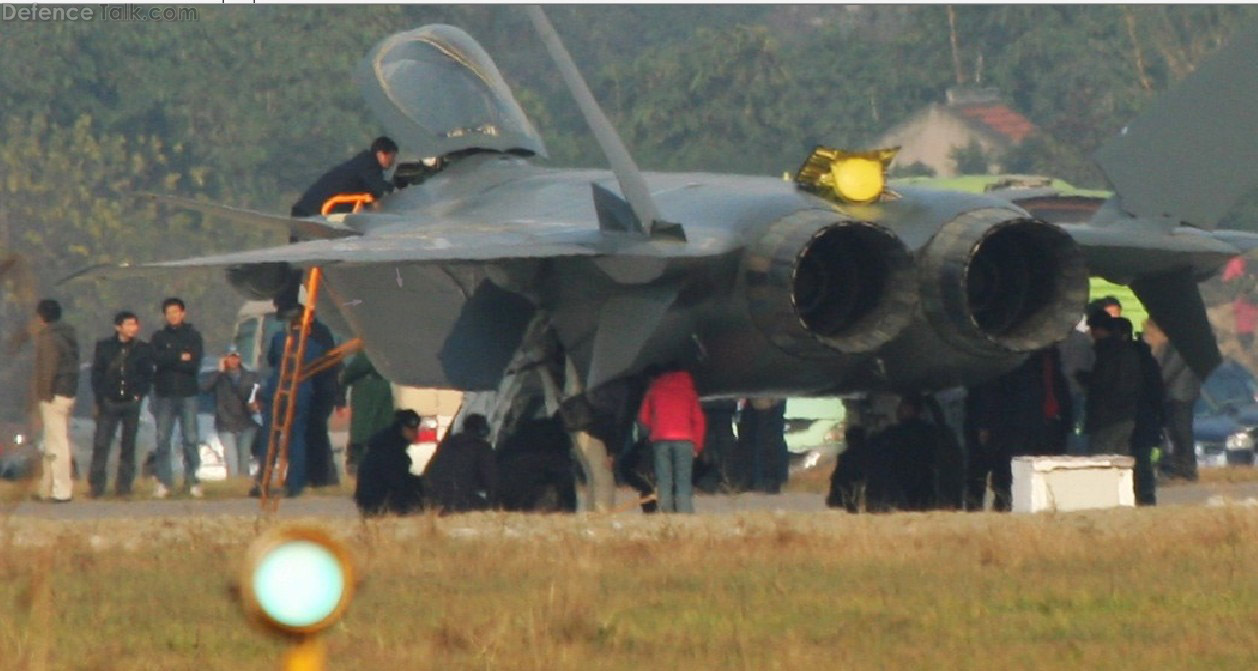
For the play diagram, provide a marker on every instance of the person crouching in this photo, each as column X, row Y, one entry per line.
column 385, row 482
column 463, row 473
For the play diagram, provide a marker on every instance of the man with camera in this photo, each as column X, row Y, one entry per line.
column 235, row 391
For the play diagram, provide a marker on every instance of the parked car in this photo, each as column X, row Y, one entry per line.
column 1225, row 418
column 814, row 425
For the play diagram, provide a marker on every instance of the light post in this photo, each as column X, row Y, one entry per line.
column 297, row 582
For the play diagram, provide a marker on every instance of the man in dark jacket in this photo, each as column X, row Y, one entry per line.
column 853, row 483
column 362, row 174
column 371, row 406
column 56, row 381
column 325, row 391
column 717, row 472
column 911, row 445
column 323, row 471
column 1026, row 411
column 297, row 474
column 177, row 352
column 762, row 429
column 236, row 393
column 385, row 482
column 535, row 467
column 122, row 372
column 1150, row 419
column 463, row 474
column 1113, row 389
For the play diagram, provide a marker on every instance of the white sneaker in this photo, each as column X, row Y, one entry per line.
column 160, row 491
column 195, row 491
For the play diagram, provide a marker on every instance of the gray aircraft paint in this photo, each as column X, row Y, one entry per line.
column 405, row 277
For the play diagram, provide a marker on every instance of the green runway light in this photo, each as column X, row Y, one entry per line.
column 299, row 584
column 296, row 581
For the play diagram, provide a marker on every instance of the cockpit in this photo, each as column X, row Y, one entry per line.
column 438, row 93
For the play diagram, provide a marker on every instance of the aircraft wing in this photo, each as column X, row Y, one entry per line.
column 1164, row 269
column 1123, row 253
column 311, row 227
column 445, row 244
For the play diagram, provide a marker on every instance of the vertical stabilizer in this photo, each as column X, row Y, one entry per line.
column 632, row 185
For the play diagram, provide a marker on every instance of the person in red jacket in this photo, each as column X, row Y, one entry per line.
column 671, row 413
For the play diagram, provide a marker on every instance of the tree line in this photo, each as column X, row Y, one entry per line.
column 247, row 105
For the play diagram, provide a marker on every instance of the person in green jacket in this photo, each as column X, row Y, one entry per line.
column 371, row 406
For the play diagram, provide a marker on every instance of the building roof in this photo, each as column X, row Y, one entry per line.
column 998, row 118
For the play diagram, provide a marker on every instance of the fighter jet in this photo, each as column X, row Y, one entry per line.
column 550, row 285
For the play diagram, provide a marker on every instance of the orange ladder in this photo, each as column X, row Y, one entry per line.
column 291, row 374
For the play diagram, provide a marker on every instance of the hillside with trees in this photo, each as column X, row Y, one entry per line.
column 247, row 105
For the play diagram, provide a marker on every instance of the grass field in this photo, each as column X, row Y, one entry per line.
column 1173, row 588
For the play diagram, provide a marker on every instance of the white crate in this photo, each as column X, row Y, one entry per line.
column 1072, row 483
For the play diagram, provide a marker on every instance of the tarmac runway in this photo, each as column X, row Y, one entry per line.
column 320, row 506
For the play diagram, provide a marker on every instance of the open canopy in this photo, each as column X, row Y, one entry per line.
column 437, row 91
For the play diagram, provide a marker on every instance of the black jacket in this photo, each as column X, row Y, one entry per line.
column 56, row 362
column 121, row 371
column 361, row 174
column 1013, row 407
column 910, row 448
column 231, row 399
column 462, row 467
column 1113, row 385
column 385, row 481
column 175, row 377
column 1150, row 403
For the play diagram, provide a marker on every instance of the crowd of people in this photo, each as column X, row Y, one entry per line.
column 124, row 371
column 166, row 371
column 1101, row 391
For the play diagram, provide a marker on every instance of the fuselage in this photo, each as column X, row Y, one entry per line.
column 707, row 321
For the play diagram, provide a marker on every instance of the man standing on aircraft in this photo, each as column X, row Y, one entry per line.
column 671, row 412
column 122, row 372
column 177, row 352
column 56, row 380
column 362, row 174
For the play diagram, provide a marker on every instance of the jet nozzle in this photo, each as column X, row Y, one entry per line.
column 993, row 281
column 817, row 286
